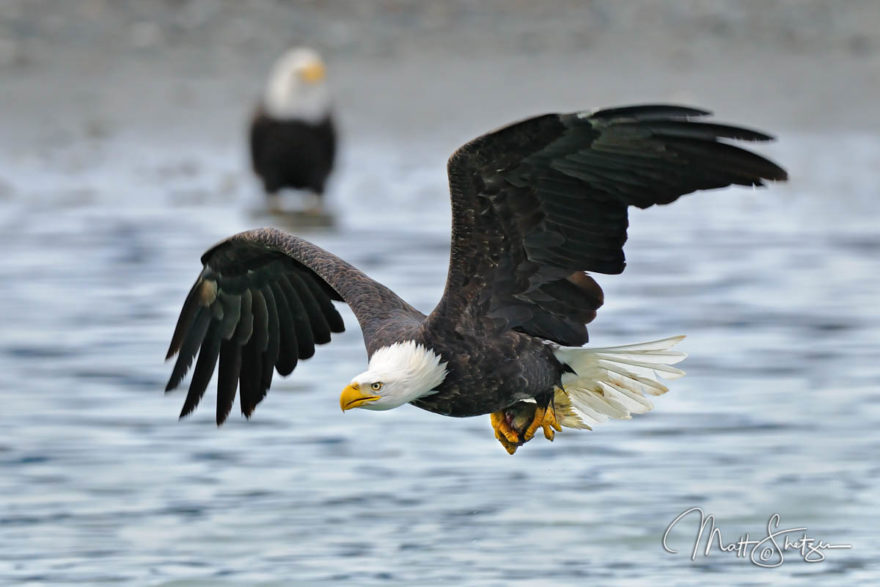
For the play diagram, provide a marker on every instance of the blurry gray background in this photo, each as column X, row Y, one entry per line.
column 122, row 158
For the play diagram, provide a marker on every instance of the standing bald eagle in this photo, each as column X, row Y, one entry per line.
column 292, row 137
column 534, row 206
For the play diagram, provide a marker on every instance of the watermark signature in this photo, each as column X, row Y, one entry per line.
column 768, row 551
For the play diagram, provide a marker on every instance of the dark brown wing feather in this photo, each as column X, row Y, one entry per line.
column 262, row 302
column 539, row 202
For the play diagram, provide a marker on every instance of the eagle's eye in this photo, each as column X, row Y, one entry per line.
column 377, row 386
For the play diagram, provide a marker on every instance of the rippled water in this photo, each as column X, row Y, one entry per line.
column 776, row 289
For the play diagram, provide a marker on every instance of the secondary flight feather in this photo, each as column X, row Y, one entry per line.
column 536, row 205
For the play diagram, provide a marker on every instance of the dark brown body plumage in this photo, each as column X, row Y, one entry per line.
column 534, row 206
column 292, row 153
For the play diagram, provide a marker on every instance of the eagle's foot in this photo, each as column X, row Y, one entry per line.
column 544, row 418
column 505, row 432
column 517, row 424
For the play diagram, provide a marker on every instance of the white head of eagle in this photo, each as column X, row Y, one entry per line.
column 397, row 374
column 297, row 88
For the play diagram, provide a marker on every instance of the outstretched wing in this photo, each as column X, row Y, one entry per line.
column 539, row 202
column 262, row 303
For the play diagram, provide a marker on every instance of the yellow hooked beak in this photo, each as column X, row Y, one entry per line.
column 313, row 72
column 353, row 397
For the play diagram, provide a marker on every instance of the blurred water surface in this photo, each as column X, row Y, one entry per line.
column 776, row 289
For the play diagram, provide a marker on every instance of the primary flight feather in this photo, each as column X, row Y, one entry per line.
column 535, row 206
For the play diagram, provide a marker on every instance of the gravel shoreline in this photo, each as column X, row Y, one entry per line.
column 189, row 71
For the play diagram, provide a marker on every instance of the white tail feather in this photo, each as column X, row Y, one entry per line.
column 613, row 381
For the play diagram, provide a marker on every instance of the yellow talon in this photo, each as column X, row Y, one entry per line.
column 537, row 419
column 504, row 432
column 525, row 417
column 508, row 446
column 544, row 418
column 549, row 424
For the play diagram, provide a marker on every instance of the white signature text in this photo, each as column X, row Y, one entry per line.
column 768, row 551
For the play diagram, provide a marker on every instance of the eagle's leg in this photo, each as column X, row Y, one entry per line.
column 504, row 431
column 544, row 417
column 517, row 424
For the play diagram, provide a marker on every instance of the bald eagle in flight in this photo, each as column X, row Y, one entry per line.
column 535, row 206
column 292, row 137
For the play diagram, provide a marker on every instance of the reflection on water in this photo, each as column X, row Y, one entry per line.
column 776, row 290
column 294, row 221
